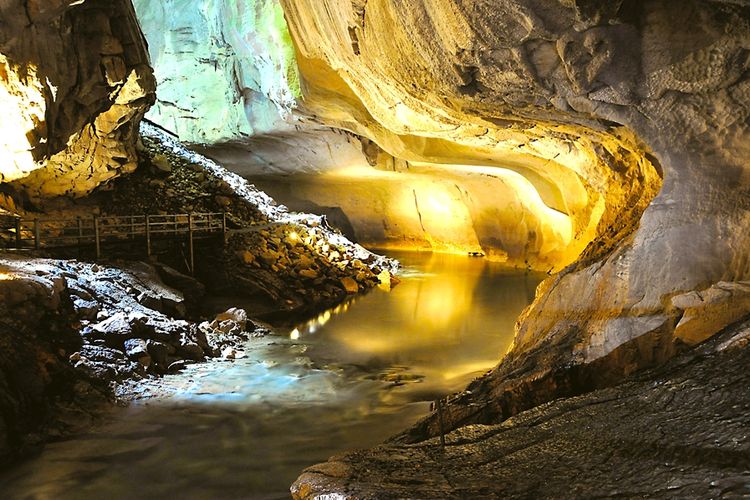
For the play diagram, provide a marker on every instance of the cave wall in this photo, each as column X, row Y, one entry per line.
column 612, row 95
column 225, row 69
column 74, row 83
column 449, row 85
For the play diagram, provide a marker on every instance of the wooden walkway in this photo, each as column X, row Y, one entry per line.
column 80, row 231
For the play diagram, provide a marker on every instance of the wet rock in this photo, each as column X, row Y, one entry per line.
column 136, row 349
column 86, row 309
column 161, row 163
column 235, row 314
column 191, row 350
column 350, row 285
column 116, row 329
column 177, row 366
column 232, row 353
column 150, row 300
column 158, row 352
column 309, row 274
column 663, row 432
column 223, row 201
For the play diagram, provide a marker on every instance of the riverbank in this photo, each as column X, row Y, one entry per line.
column 346, row 379
column 73, row 331
column 679, row 431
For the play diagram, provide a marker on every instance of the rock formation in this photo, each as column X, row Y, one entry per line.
column 599, row 100
column 225, row 69
column 74, row 83
column 610, row 97
column 665, row 434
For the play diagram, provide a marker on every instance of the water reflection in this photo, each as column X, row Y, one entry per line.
column 449, row 320
column 348, row 379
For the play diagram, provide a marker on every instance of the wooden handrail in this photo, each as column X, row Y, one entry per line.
column 55, row 232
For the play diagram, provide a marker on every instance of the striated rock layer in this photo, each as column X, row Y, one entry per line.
column 666, row 434
column 594, row 103
column 74, row 83
column 225, row 69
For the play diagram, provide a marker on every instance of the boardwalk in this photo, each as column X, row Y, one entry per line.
column 80, row 231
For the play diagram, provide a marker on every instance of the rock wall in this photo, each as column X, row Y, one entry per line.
column 225, row 69
column 74, row 83
column 446, row 86
column 611, row 96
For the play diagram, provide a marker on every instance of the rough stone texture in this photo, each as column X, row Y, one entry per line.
column 451, row 83
column 225, row 69
column 680, row 432
column 72, row 334
column 268, row 248
column 616, row 94
column 74, row 83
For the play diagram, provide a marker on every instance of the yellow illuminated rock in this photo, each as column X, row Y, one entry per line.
column 413, row 93
column 74, row 84
column 630, row 124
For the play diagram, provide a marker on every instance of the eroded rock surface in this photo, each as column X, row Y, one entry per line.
column 225, row 69
column 679, row 432
column 72, row 333
column 616, row 95
column 75, row 81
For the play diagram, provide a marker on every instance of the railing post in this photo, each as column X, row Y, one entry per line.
column 97, row 238
column 440, row 423
column 37, row 231
column 18, row 232
column 79, row 223
column 190, row 244
column 148, row 236
column 224, row 226
column 210, row 229
column 132, row 227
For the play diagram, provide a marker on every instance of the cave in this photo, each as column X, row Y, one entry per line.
column 373, row 249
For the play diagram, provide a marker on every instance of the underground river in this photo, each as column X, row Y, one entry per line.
column 348, row 379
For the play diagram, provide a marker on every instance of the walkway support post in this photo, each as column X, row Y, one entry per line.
column 224, row 226
column 18, row 232
column 190, row 244
column 79, row 224
column 148, row 236
column 97, row 238
column 37, row 243
column 440, row 422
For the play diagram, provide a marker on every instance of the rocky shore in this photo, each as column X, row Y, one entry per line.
column 74, row 332
column 78, row 335
column 679, row 431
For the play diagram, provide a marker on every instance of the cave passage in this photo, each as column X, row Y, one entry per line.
column 600, row 145
column 347, row 379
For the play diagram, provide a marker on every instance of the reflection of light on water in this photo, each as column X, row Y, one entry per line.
column 462, row 370
column 6, row 277
column 319, row 322
column 292, row 403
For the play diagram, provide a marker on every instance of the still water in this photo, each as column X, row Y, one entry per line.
column 348, row 379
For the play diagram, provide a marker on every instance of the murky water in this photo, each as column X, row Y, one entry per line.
column 349, row 379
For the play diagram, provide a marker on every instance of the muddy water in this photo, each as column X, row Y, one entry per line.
column 348, row 379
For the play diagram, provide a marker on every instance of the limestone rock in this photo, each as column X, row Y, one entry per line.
column 231, row 72
column 594, row 105
column 76, row 83
column 350, row 285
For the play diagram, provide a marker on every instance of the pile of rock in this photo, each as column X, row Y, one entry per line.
column 71, row 332
column 126, row 318
column 129, row 345
column 299, row 266
column 168, row 182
